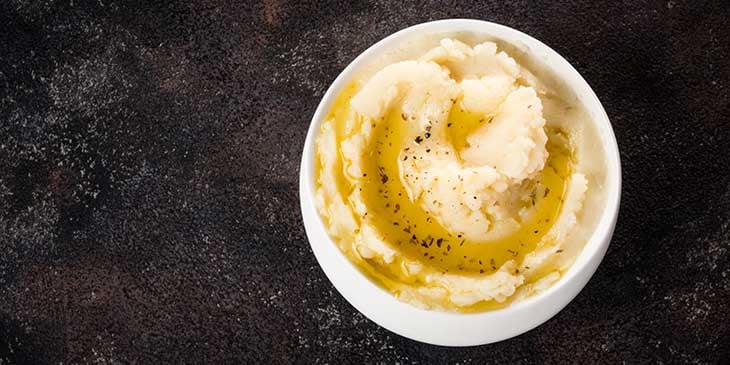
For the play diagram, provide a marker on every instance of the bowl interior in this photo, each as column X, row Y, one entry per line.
column 457, row 329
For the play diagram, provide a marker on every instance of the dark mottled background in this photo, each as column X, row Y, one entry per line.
column 148, row 181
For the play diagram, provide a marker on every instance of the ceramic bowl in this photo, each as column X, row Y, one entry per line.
column 448, row 328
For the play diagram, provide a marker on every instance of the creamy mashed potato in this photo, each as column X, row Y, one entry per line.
column 452, row 177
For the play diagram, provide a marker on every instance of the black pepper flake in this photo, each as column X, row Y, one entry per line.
column 536, row 231
column 448, row 125
column 547, row 191
column 404, row 116
column 383, row 178
column 407, row 230
column 480, row 262
column 364, row 175
column 448, row 247
column 512, row 252
column 431, row 258
column 475, row 197
column 462, row 243
column 419, row 139
column 427, row 135
column 413, row 237
column 481, row 271
column 439, row 242
column 405, row 157
column 428, row 150
column 559, row 251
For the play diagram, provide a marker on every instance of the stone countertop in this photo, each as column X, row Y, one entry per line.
column 148, row 181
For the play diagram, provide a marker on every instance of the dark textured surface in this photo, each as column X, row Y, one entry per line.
column 148, row 182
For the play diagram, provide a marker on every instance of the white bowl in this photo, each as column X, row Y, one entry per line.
column 458, row 329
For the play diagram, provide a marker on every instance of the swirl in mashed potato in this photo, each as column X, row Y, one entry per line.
column 441, row 179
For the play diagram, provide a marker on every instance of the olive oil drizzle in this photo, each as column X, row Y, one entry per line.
column 411, row 230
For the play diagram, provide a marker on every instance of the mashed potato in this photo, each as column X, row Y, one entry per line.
column 441, row 178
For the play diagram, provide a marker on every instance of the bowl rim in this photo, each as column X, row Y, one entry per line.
column 450, row 328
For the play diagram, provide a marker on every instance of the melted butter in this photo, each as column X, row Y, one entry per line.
column 462, row 123
column 412, row 231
